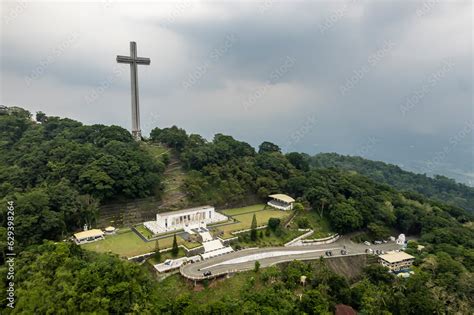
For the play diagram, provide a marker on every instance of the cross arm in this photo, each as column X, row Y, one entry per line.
column 142, row 61
column 124, row 59
column 138, row 60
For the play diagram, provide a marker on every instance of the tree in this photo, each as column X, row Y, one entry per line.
column 61, row 277
column 299, row 161
column 174, row 137
column 298, row 207
column 314, row 302
column 273, row 223
column 378, row 231
column 268, row 147
column 319, row 198
column 41, row 117
column 157, row 251
column 344, row 218
column 257, row 266
column 175, row 248
column 303, row 223
column 253, row 228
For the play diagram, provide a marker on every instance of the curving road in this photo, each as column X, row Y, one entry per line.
column 245, row 259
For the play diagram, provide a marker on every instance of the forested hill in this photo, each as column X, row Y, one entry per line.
column 58, row 170
column 439, row 188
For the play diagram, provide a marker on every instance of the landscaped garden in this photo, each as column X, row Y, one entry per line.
column 312, row 220
column 243, row 218
column 127, row 243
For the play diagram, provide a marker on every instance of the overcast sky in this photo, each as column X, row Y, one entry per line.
column 388, row 80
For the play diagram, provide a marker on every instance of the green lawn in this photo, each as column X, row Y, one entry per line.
column 272, row 239
column 320, row 225
column 155, row 150
column 128, row 244
column 244, row 217
column 144, row 231
column 166, row 255
column 237, row 211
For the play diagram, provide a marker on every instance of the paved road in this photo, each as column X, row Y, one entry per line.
column 245, row 259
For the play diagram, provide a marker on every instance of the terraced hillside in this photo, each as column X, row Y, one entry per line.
column 173, row 197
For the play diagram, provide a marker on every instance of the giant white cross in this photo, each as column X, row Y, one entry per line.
column 133, row 60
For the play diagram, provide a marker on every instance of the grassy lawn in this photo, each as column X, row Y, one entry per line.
column 244, row 217
column 144, row 231
column 320, row 225
column 155, row 150
column 237, row 211
column 272, row 239
column 165, row 256
column 128, row 244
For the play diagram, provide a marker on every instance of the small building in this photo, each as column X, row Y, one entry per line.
column 88, row 236
column 281, row 202
column 187, row 218
column 110, row 230
column 396, row 261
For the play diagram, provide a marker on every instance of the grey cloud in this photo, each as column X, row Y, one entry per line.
column 181, row 43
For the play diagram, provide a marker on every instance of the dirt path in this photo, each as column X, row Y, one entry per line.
column 173, row 196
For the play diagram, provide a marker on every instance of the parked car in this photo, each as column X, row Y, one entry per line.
column 367, row 243
column 377, row 242
column 328, row 253
column 207, row 273
column 343, row 252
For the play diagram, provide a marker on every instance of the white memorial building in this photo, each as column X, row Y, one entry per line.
column 184, row 219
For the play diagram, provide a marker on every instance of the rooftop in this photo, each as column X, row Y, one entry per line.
column 393, row 257
column 88, row 233
column 164, row 214
column 282, row 197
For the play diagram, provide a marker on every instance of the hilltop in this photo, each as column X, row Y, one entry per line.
column 59, row 173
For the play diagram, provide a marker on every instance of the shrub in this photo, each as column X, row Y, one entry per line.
column 274, row 223
column 303, row 223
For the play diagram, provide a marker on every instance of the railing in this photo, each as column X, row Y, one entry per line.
column 325, row 240
column 308, row 233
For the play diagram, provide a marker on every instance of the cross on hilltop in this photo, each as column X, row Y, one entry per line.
column 133, row 60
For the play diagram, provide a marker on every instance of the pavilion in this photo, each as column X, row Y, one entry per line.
column 281, row 202
column 88, row 236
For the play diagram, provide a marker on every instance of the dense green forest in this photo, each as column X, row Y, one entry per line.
column 57, row 171
column 440, row 187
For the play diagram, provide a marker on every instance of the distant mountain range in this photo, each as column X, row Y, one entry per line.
column 439, row 188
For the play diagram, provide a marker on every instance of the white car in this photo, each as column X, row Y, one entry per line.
column 367, row 243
